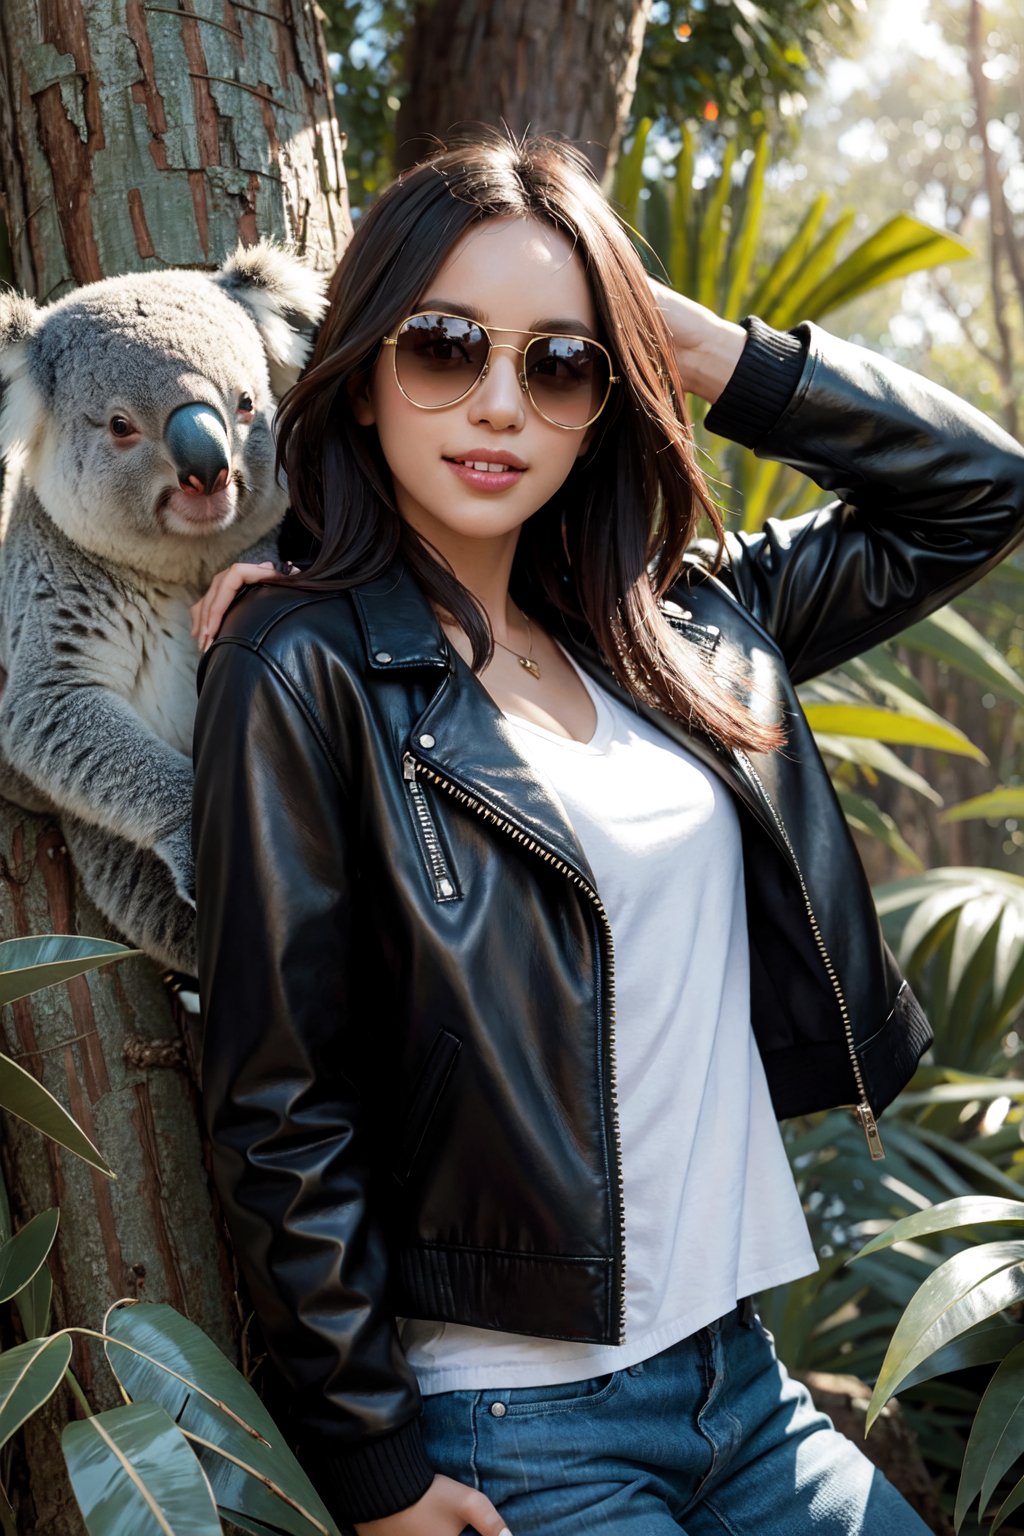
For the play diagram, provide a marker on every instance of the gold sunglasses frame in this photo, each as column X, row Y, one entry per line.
column 422, row 314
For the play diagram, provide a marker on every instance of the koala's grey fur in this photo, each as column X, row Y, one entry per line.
column 99, row 563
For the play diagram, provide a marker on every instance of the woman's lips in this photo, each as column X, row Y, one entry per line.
column 485, row 474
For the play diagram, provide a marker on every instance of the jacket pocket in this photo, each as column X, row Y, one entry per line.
column 424, row 1101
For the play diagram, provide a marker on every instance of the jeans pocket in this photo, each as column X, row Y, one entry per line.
column 562, row 1396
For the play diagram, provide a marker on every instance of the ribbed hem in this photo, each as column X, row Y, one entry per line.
column 762, row 384
column 377, row 1479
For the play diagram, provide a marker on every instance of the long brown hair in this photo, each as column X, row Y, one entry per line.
column 611, row 542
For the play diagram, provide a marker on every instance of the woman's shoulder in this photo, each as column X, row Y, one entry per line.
column 300, row 633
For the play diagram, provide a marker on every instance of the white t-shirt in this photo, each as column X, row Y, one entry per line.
column 712, row 1214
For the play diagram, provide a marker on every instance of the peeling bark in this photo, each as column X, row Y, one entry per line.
column 540, row 65
column 160, row 132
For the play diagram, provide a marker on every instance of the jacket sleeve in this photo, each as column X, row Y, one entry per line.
column 930, row 493
column 275, row 881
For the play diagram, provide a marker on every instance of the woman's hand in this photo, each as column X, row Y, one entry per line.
column 212, row 606
column 707, row 347
column 445, row 1509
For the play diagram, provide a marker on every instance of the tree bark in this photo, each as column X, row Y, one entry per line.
column 540, row 65
column 135, row 135
column 142, row 134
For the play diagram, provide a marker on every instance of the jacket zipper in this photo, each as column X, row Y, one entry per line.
column 412, row 767
column 862, row 1108
column 430, row 843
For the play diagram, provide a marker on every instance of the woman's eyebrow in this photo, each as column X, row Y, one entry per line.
column 566, row 327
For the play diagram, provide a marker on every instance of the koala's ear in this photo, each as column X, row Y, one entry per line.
column 284, row 297
column 21, row 405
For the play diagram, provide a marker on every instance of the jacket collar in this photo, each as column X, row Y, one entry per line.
column 461, row 735
column 464, row 738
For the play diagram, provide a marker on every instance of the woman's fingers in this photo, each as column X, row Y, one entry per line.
column 482, row 1516
column 212, row 606
column 446, row 1509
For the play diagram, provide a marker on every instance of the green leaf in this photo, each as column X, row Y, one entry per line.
column 629, row 177
column 29, row 1375
column 679, row 254
column 251, row 1470
column 953, row 639
column 26, row 1252
column 984, row 1346
column 866, row 817
column 709, row 245
column 1013, row 1501
column 772, row 288
column 950, row 1216
column 747, row 231
column 29, row 965
column 876, row 757
column 887, row 725
column 33, row 1304
column 902, row 245
column 820, row 260
column 22, row 1095
column 997, row 1435
column 993, row 805
column 133, row 1474
column 966, row 1289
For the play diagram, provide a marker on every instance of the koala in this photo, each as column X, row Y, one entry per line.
column 136, row 433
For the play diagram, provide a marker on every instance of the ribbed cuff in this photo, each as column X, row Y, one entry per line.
column 378, row 1479
column 762, row 384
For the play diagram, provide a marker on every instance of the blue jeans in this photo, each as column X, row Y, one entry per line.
column 711, row 1437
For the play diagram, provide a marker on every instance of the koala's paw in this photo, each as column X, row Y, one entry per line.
column 175, row 850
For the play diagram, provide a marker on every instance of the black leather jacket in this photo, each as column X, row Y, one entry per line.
column 407, row 972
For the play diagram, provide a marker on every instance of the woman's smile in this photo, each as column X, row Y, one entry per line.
column 488, row 470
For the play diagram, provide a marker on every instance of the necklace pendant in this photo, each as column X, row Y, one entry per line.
column 530, row 665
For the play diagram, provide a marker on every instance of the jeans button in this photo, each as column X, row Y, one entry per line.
column 498, row 1410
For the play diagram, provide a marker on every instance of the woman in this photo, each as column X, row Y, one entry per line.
column 508, row 827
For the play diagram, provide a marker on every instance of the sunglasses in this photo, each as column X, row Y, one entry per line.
column 439, row 358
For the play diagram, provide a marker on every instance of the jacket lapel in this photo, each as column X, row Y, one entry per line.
column 462, row 735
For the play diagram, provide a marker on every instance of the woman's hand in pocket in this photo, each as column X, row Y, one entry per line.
column 446, row 1509
column 223, row 589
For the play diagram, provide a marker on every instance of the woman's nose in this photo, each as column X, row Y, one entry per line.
column 498, row 398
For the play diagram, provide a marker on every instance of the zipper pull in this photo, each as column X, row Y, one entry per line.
column 869, row 1125
column 408, row 767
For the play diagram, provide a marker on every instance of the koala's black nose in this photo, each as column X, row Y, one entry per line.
column 198, row 441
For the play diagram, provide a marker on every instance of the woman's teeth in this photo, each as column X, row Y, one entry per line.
column 491, row 469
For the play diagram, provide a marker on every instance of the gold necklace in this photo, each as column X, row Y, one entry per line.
column 526, row 662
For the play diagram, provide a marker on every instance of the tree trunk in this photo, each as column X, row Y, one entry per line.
column 109, row 1048
column 133, row 135
column 141, row 134
column 541, row 65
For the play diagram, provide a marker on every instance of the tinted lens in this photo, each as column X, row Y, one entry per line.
column 439, row 357
column 568, row 378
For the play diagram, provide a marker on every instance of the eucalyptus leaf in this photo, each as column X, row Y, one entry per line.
column 997, row 1435
column 983, row 1346
column 29, row 1375
column 966, row 1289
column 30, row 964
column 33, row 1302
column 133, row 1474
column 991, row 806
column 161, row 1357
column 950, row 637
column 22, row 1255
column 887, row 725
column 23, row 1095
